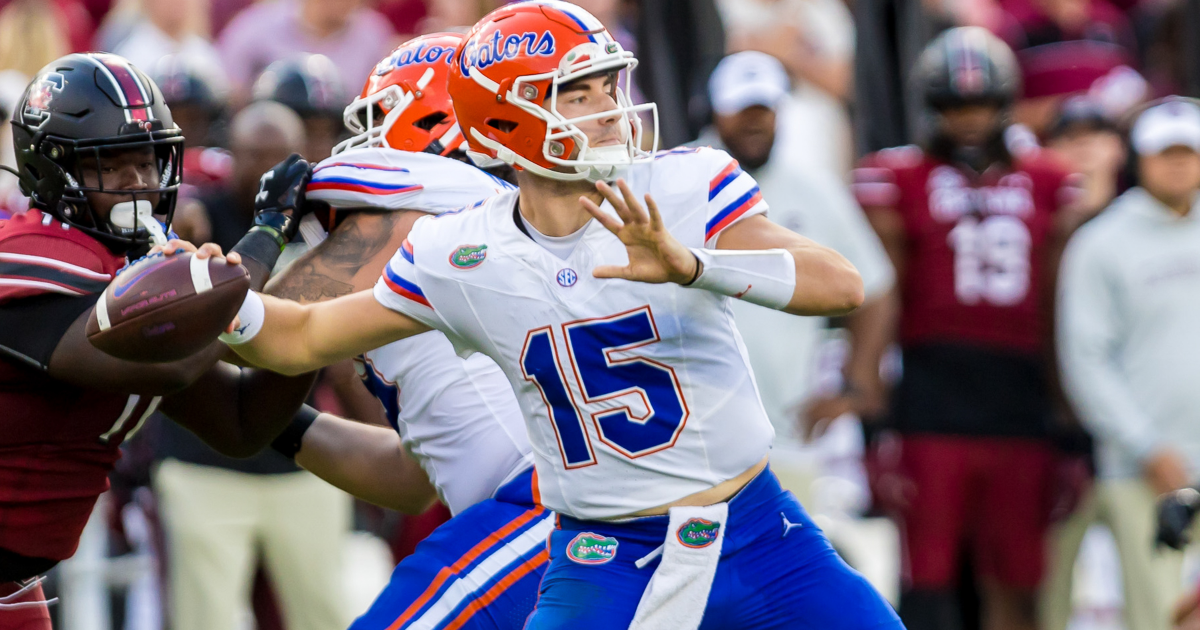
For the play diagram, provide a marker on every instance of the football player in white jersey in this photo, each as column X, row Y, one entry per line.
column 607, row 309
column 458, row 418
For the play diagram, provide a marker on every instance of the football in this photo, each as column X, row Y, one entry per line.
column 166, row 308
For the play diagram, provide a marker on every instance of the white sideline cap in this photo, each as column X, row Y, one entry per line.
column 1173, row 123
column 747, row 78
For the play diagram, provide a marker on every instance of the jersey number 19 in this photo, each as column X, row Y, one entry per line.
column 991, row 260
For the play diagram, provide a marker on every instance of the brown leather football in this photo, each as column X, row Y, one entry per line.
column 166, row 308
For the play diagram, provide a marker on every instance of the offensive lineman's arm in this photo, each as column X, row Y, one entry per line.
column 366, row 461
column 351, row 259
column 297, row 338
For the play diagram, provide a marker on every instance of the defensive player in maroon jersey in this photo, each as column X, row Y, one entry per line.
column 99, row 156
column 971, row 229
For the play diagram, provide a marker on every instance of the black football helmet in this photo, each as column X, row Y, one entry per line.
column 187, row 79
column 967, row 65
column 91, row 105
column 309, row 84
column 197, row 91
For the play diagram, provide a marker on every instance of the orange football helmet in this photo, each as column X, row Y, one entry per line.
column 404, row 104
column 518, row 56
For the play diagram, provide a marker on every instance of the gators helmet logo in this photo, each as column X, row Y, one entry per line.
column 698, row 533
column 589, row 548
column 468, row 256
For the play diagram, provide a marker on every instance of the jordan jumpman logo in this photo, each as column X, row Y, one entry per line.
column 788, row 525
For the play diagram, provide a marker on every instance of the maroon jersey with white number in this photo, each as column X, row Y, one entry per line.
column 976, row 245
column 58, row 441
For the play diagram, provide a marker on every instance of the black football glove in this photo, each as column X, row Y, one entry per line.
column 1175, row 513
column 280, row 203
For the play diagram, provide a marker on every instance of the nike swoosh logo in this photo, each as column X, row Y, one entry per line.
column 120, row 290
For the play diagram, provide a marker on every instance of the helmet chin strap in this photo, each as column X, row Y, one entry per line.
column 129, row 215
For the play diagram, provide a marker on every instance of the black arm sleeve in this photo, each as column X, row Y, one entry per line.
column 32, row 327
column 260, row 249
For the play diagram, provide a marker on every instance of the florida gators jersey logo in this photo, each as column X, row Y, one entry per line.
column 468, row 256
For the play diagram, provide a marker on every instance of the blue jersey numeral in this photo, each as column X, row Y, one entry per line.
column 635, row 403
column 386, row 391
column 540, row 365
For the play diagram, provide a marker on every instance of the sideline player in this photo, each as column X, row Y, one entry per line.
column 99, row 156
column 971, row 229
column 636, row 391
column 459, row 418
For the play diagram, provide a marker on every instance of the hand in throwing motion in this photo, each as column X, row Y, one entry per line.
column 655, row 255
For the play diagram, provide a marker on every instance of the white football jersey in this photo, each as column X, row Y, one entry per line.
column 635, row 395
column 400, row 180
column 458, row 417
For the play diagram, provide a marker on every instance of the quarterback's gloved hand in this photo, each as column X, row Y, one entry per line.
column 1175, row 513
column 280, row 204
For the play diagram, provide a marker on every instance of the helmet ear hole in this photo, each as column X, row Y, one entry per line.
column 429, row 122
column 504, row 126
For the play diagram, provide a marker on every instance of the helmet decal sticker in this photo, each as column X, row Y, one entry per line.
column 404, row 103
column 41, row 93
column 476, row 56
column 404, row 57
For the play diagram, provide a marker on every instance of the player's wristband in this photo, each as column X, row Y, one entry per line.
column 766, row 276
column 261, row 244
column 250, row 317
column 288, row 443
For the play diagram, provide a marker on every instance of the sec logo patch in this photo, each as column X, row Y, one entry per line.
column 567, row 277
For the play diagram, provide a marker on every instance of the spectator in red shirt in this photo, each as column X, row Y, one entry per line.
column 968, row 226
column 405, row 15
column 1063, row 47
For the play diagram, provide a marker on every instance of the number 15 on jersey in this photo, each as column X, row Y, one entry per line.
column 635, row 402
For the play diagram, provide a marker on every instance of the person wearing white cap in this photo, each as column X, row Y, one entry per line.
column 1129, row 348
column 747, row 89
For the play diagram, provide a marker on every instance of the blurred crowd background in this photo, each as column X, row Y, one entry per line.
column 189, row 539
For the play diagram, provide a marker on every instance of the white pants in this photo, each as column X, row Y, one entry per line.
column 217, row 520
column 1151, row 576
